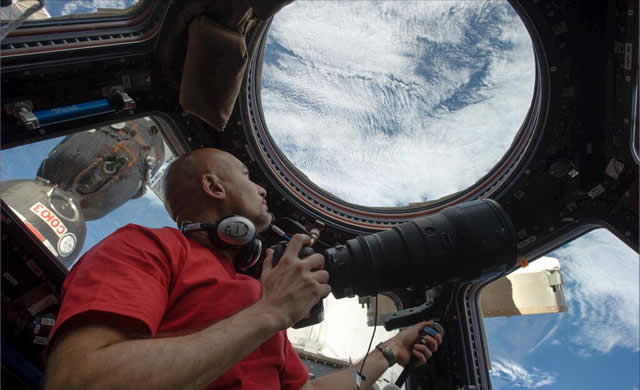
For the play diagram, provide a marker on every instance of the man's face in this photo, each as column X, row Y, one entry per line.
column 245, row 197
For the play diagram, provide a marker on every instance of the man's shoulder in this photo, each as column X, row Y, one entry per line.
column 137, row 244
column 134, row 228
column 140, row 237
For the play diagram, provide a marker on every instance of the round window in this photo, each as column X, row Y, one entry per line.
column 388, row 104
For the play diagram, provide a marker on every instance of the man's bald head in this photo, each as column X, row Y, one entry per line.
column 208, row 184
column 183, row 183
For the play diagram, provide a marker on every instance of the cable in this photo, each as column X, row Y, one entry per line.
column 304, row 230
column 634, row 130
column 281, row 233
column 296, row 223
column 375, row 325
column 446, row 310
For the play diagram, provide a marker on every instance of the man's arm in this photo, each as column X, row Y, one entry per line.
column 104, row 357
column 402, row 346
column 107, row 357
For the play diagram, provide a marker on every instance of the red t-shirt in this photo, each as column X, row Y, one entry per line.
column 175, row 285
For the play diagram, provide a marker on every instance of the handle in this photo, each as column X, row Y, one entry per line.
column 429, row 330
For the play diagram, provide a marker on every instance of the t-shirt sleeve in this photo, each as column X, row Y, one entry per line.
column 295, row 373
column 127, row 274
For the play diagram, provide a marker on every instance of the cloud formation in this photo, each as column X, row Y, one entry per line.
column 602, row 276
column 546, row 337
column 87, row 6
column 517, row 376
column 388, row 103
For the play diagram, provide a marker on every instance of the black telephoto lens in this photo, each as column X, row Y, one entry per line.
column 465, row 242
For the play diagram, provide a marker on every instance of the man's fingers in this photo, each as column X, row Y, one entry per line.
column 422, row 360
column 267, row 263
column 431, row 343
column 314, row 262
column 422, row 349
column 321, row 276
column 295, row 245
column 422, row 353
column 325, row 290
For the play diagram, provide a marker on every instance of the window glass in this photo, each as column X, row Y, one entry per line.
column 344, row 334
column 594, row 345
column 387, row 103
column 71, row 9
column 74, row 191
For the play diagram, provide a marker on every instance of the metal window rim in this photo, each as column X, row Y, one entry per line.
column 304, row 194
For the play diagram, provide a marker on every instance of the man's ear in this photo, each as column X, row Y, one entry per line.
column 212, row 186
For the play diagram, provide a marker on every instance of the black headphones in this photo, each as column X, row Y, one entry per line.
column 231, row 232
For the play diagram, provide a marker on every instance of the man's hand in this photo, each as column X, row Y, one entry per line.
column 290, row 289
column 403, row 345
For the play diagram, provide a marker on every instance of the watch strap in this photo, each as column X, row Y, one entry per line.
column 387, row 353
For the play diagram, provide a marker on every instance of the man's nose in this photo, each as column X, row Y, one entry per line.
column 262, row 191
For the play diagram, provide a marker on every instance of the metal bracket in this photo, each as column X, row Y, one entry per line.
column 406, row 317
column 555, row 278
column 23, row 110
column 125, row 101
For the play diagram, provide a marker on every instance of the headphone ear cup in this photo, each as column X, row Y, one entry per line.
column 249, row 255
column 235, row 231
column 215, row 240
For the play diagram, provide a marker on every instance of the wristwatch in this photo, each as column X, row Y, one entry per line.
column 387, row 352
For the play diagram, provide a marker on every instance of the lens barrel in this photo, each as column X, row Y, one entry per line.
column 464, row 242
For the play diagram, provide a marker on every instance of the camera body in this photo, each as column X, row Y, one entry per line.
column 316, row 315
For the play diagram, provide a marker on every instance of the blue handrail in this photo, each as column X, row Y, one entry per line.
column 74, row 111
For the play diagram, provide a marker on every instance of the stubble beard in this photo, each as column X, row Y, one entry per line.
column 262, row 221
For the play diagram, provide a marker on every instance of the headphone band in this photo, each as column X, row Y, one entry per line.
column 188, row 226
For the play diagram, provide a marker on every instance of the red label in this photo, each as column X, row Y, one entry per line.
column 50, row 218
